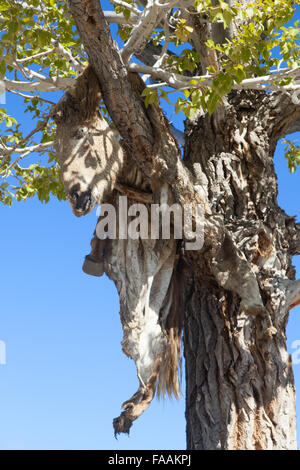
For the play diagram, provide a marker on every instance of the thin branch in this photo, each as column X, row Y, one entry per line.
column 174, row 80
column 26, row 151
column 29, row 74
column 151, row 16
column 129, row 7
column 164, row 50
column 67, row 55
column 16, row 149
column 30, row 97
column 35, row 56
column 58, row 48
column 112, row 17
column 30, row 149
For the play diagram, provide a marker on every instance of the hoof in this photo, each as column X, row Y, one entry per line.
column 92, row 266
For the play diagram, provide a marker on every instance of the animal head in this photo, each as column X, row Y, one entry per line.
column 88, row 150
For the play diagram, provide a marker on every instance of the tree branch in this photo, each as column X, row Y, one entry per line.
column 112, row 17
column 267, row 82
column 283, row 115
column 149, row 18
column 51, row 84
column 152, row 15
column 151, row 53
column 64, row 53
column 24, row 152
column 129, row 7
column 164, row 50
column 30, row 97
column 292, row 294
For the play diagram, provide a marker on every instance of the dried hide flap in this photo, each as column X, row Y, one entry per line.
column 144, row 272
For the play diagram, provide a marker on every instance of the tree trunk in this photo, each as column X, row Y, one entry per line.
column 240, row 386
column 240, row 392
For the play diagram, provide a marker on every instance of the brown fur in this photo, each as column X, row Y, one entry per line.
column 171, row 366
column 81, row 105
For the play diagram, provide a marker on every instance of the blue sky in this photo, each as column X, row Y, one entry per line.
column 66, row 376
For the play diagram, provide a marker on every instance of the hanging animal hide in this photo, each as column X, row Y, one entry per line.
column 145, row 271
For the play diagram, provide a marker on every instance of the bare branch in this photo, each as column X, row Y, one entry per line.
column 293, row 294
column 112, row 17
column 129, row 7
column 35, row 56
column 151, row 16
column 33, row 148
column 174, row 80
column 63, row 52
column 141, row 32
column 164, row 50
column 30, row 97
column 26, row 151
column 50, row 84
column 267, row 82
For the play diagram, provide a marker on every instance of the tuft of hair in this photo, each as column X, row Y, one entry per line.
column 171, row 365
column 81, row 104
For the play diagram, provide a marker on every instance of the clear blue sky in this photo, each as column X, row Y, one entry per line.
column 66, row 375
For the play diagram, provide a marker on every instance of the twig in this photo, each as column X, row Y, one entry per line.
column 36, row 56
column 27, row 151
column 164, row 50
column 31, row 97
column 9, row 150
column 177, row 81
column 67, row 55
column 129, row 7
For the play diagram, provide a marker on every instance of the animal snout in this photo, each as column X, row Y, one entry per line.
column 81, row 201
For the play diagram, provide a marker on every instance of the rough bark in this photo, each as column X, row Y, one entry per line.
column 240, row 387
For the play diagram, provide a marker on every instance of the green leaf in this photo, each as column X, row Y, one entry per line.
column 212, row 102
column 126, row 13
column 2, row 68
column 4, row 6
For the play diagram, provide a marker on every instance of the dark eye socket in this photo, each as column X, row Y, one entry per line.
column 78, row 134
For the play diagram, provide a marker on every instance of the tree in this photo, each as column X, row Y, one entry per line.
column 237, row 82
